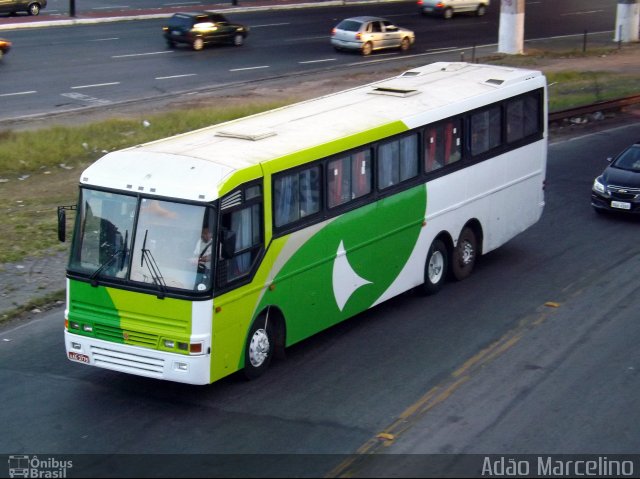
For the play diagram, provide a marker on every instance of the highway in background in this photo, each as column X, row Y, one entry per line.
column 58, row 69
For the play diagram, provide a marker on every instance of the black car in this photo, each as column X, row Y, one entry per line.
column 5, row 46
column 618, row 187
column 32, row 7
column 201, row 28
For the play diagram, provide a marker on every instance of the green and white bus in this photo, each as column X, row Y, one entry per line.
column 210, row 252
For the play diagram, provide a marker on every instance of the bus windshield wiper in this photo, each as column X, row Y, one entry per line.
column 153, row 267
column 96, row 273
column 121, row 252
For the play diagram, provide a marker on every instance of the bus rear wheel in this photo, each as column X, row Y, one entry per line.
column 435, row 269
column 464, row 254
column 259, row 348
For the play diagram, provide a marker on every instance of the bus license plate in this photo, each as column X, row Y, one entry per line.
column 83, row 358
column 623, row 205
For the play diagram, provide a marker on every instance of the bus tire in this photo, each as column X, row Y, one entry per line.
column 435, row 268
column 259, row 349
column 464, row 254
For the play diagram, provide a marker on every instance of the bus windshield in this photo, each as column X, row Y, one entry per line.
column 162, row 244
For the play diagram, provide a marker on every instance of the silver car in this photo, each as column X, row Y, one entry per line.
column 32, row 7
column 447, row 8
column 367, row 34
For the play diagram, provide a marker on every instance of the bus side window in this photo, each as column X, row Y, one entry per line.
column 348, row 178
column 442, row 144
column 486, row 130
column 245, row 224
column 296, row 196
column 522, row 117
column 398, row 161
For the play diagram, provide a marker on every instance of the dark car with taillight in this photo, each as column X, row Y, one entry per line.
column 618, row 187
column 203, row 28
column 5, row 46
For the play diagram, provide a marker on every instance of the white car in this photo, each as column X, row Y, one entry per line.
column 367, row 34
column 447, row 8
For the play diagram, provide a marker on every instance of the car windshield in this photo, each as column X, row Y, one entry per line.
column 349, row 25
column 629, row 160
column 163, row 244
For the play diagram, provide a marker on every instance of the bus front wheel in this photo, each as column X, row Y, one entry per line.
column 435, row 269
column 259, row 348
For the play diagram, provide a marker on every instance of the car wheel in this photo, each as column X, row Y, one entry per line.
column 171, row 44
column 238, row 40
column 259, row 348
column 405, row 44
column 435, row 268
column 448, row 13
column 481, row 10
column 367, row 48
column 34, row 9
column 198, row 44
column 464, row 254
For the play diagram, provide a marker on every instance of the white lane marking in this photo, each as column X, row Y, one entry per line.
column 176, row 76
column 581, row 13
column 104, row 39
column 318, row 61
column 111, row 7
column 270, row 25
column 19, row 93
column 86, row 98
column 141, row 54
column 302, row 39
column 441, row 50
column 95, row 85
column 248, row 68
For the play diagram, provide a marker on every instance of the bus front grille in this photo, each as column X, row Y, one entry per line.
column 127, row 362
column 115, row 334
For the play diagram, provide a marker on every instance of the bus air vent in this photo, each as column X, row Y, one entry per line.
column 234, row 199
column 394, row 91
column 494, row 81
column 242, row 135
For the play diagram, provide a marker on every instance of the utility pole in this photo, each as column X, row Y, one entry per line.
column 627, row 21
column 511, row 32
column 72, row 8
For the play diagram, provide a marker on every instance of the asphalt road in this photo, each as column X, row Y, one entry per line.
column 54, row 70
column 535, row 353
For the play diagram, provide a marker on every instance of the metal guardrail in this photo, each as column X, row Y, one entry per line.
column 601, row 106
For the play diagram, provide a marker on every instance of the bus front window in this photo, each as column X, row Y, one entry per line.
column 101, row 244
column 163, row 244
column 173, row 245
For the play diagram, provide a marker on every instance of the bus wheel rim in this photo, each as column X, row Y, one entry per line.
column 436, row 267
column 467, row 253
column 259, row 348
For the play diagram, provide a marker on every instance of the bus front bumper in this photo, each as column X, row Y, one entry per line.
column 139, row 361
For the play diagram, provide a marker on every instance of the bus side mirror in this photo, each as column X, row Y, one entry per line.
column 228, row 243
column 62, row 222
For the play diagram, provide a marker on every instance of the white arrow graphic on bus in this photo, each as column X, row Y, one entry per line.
column 345, row 280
